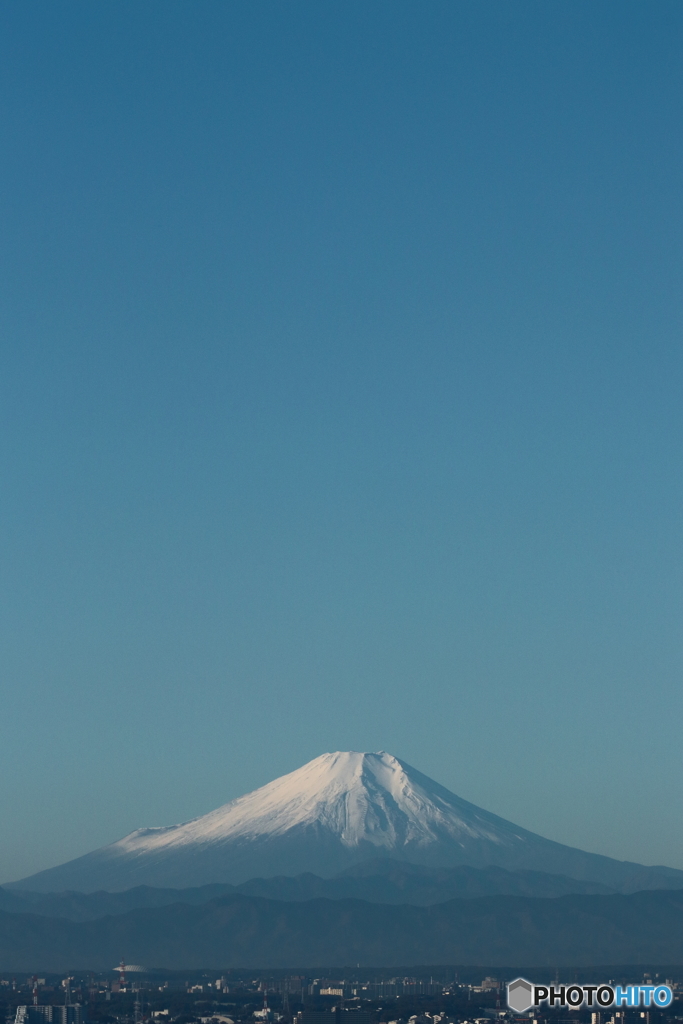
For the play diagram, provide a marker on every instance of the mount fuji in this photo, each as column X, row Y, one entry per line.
column 337, row 811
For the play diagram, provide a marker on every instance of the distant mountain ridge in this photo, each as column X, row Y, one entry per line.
column 338, row 811
column 380, row 881
column 248, row 931
column 387, row 881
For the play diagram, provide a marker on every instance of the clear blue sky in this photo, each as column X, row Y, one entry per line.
column 340, row 408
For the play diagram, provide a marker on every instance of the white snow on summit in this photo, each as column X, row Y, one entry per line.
column 357, row 797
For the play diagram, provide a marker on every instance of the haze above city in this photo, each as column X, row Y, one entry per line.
column 340, row 404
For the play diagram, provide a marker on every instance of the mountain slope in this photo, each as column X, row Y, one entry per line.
column 241, row 931
column 336, row 811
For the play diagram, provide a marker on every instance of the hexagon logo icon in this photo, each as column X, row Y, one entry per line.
column 520, row 995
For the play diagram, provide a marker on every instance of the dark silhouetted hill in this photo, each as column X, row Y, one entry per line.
column 247, row 931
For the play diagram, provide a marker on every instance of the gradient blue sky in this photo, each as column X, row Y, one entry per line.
column 340, row 408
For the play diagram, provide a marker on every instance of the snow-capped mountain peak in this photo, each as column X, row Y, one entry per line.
column 358, row 797
column 336, row 811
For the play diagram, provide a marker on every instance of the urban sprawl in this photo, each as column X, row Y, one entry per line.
column 130, row 994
